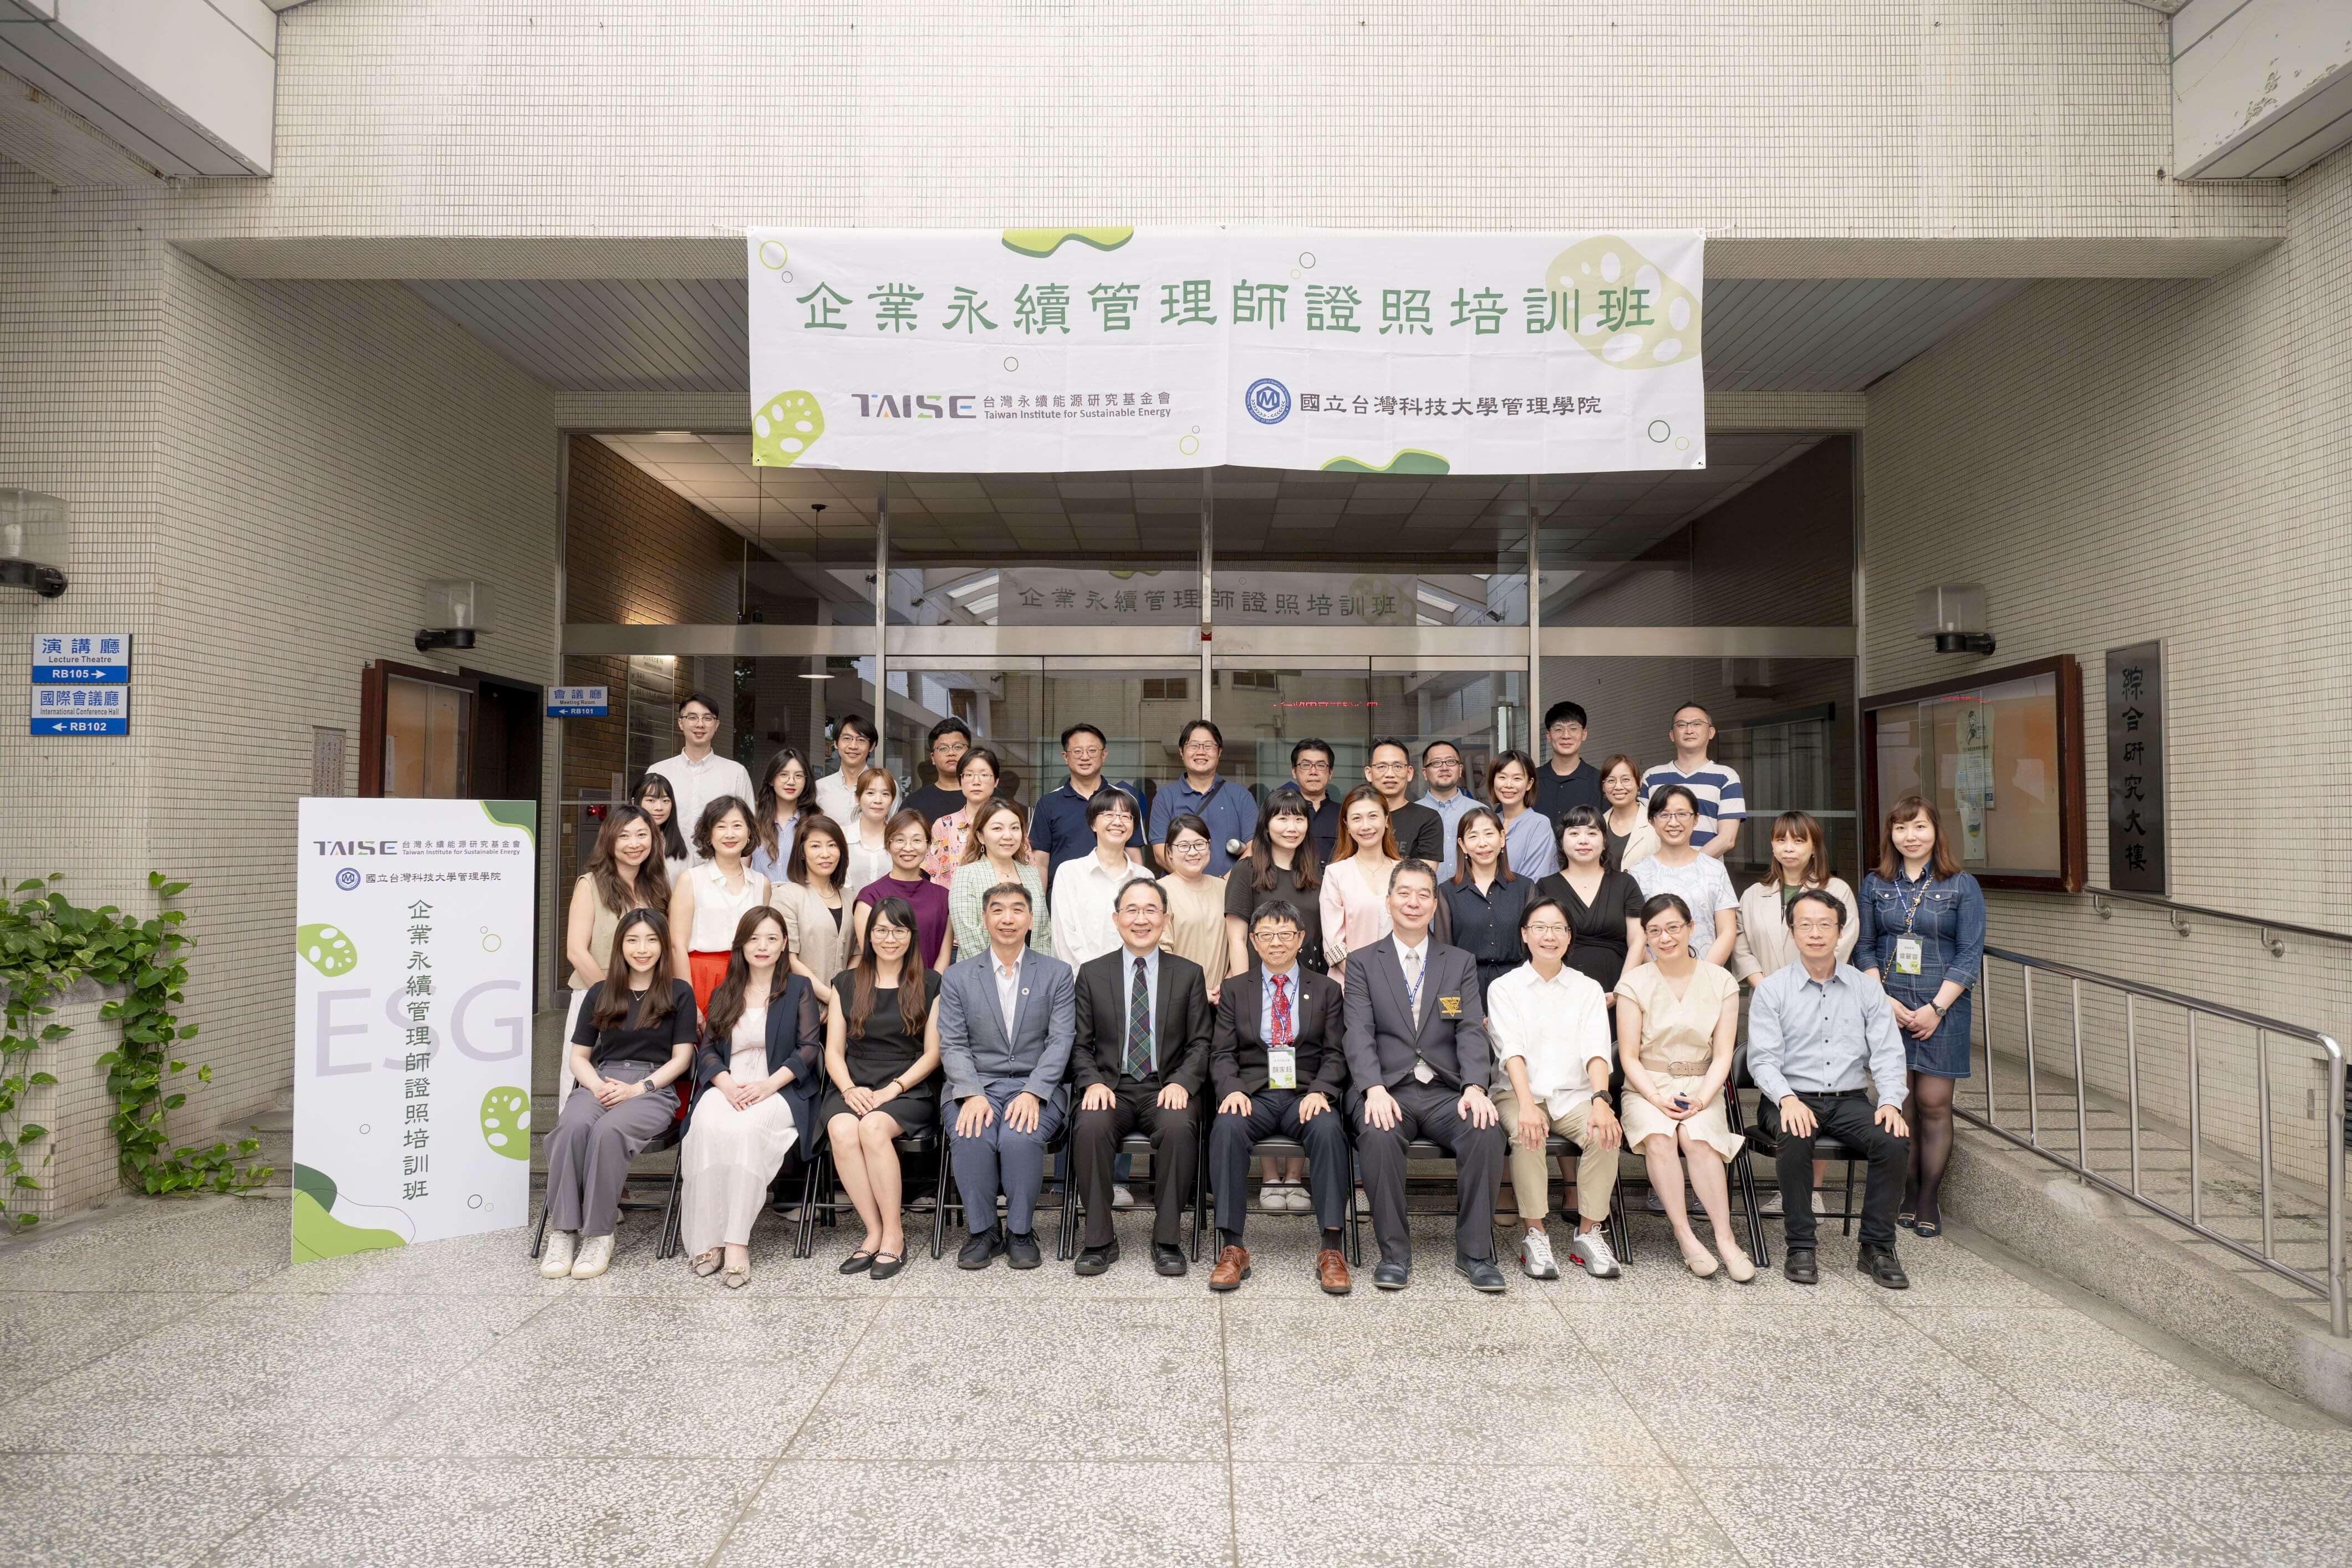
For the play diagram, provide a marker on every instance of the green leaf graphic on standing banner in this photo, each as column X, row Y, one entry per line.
column 319, row 1233
column 506, row 1122
column 786, row 429
column 1042, row 242
column 326, row 949
column 1409, row 460
column 1629, row 314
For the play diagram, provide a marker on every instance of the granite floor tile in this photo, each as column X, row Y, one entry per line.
column 201, row 1244
column 45, row 1336
column 71, row 1511
column 2279, row 1521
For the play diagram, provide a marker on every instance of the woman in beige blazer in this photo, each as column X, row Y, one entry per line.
column 815, row 904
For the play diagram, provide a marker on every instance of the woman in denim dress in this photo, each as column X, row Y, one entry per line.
column 1923, row 936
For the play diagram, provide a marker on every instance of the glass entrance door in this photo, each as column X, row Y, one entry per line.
column 1265, row 710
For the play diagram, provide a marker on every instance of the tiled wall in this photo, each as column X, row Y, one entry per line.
column 2118, row 461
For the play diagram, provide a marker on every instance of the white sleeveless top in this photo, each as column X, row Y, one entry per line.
column 718, row 910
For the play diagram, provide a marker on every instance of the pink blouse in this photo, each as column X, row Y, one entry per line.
column 949, row 834
column 1354, row 915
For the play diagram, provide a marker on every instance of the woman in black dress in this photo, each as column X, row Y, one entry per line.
column 1604, row 907
column 1483, row 901
column 882, row 1048
column 1280, row 863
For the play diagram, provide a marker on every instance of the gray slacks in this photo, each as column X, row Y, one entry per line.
column 999, row 1155
column 1430, row 1112
column 589, row 1153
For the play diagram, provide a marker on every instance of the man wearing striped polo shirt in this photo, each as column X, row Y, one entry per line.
column 1722, row 803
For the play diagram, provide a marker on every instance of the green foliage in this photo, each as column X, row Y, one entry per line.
column 48, row 945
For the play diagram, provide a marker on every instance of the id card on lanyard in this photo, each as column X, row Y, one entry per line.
column 1281, row 1067
column 1908, row 949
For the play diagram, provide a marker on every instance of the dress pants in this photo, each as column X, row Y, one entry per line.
column 588, row 1154
column 1175, row 1157
column 1274, row 1113
column 1847, row 1115
column 999, row 1154
column 1430, row 1111
column 1596, row 1168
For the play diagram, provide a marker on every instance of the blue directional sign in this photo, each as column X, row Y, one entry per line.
column 81, row 658
column 81, row 710
column 578, row 702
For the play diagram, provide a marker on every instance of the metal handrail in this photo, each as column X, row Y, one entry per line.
column 2176, row 912
column 2335, row 1285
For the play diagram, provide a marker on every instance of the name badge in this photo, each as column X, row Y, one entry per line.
column 1449, row 1007
column 1281, row 1068
column 1906, row 955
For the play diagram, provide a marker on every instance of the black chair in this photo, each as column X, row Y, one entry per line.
column 1418, row 1149
column 1826, row 1146
column 665, row 1142
column 1741, row 1173
column 948, row 1197
column 825, row 1178
column 1074, row 1203
column 1272, row 1149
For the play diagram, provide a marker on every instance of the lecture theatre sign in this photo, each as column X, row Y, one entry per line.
column 1037, row 351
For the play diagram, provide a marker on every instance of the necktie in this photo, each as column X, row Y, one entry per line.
column 1413, row 983
column 1138, row 1027
column 1279, row 1035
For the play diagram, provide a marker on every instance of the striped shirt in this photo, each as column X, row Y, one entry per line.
column 1720, row 798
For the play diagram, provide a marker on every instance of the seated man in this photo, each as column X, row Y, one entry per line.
column 1140, row 1054
column 1419, row 1063
column 1279, row 1072
column 1005, row 1021
column 1817, row 1032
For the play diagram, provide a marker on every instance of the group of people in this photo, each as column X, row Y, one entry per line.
column 815, row 964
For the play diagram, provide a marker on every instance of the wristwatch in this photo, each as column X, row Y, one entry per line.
column 1600, row 1097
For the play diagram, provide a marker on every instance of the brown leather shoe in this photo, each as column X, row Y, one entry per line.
column 1232, row 1267
column 1331, row 1272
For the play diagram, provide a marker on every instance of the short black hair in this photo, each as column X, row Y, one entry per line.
column 1546, row 901
column 1108, row 800
column 1441, row 740
column 1186, row 821
column 1680, row 706
column 1660, row 903
column 1378, row 741
column 1276, row 909
column 1314, row 743
column 1119, row 894
column 1216, row 734
column 1566, row 709
column 1658, row 798
column 1416, row 866
column 1083, row 728
column 691, row 698
column 1006, row 890
column 1816, row 896
column 857, row 724
column 980, row 755
column 946, row 727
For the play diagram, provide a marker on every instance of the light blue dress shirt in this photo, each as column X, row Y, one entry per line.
column 1812, row 1037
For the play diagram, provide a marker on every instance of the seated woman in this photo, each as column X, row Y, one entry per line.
column 882, row 1045
column 1677, row 1016
column 635, row 1039
column 756, row 1073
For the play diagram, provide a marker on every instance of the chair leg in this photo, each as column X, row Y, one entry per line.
column 539, row 1235
column 666, row 1245
column 943, row 1193
column 1846, row 1226
column 805, row 1241
column 1621, row 1233
column 1355, row 1215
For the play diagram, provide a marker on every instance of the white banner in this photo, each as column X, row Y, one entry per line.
column 1044, row 351
column 412, row 1021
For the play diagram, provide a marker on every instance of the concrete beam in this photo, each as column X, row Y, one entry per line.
column 2260, row 88
column 183, row 89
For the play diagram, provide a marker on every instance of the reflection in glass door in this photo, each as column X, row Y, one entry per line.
column 1264, row 712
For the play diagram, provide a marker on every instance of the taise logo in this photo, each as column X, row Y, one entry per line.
column 915, row 404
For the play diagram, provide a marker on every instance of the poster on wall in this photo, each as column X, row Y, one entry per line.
column 414, row 925
column 1353, row 350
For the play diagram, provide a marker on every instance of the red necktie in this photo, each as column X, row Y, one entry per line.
column 1282, row 1024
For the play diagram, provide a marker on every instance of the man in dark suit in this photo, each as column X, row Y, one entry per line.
column 1279, row 1072
column 1418, row 1063
column 1420, row 831
column 1140, row 1058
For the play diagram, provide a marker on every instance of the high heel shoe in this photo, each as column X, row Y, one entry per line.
column 1739, row 1265
column 1702, row 1262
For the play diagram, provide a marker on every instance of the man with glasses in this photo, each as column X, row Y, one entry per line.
column 1567, row 779
column 837, row 792
column 1311, row 769
column 697, row 775
column 1057, row 829
column 950, row 740
column 1441, row 764
column 1225, row 806
column 1419, row 832
column 1722, row 803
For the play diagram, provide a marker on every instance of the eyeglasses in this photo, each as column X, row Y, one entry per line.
column 1675, row 816
column 1689, row 724
column 1549, row 929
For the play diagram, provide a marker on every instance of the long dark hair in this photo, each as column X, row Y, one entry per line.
column 797, row 868
column 914, row 997
column 1305, row 864
column 1943, row 861
column 764, row 808
column 673, row 836
column 727, row 1001
column 613, row 1004
column 1503, row 872
column 650, row 881
column 973, row 849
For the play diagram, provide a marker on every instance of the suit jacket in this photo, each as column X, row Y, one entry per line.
column 1380, row 1038
column 1237, row 1055
column 1419, row 832
column 795, row 1035
column 973, row 1047
column 1182, row 1020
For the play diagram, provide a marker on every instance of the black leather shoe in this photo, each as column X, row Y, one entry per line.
column 1020, row 1251
column 885, row 1266
column 1168, row 1260
column 1481, row 1272
column 1879, row 1263
column 981, row 1250
column 1799, row 1267
column 1392, row 1275
column 1096, row 1259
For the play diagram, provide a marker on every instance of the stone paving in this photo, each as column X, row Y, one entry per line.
column 171, row 1390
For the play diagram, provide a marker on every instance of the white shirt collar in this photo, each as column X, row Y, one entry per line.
column 1411, row 949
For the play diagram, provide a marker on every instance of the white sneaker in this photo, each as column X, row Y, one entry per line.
column 1535, row 1256
column 1819, row 1206
column 1590, row 1251
column 1272, row 1197
column 924, row 1203
column 1298, row 1198
column 1121, row 1198
column 1767, row 1201
column 595, row 1257
column 555, row 1256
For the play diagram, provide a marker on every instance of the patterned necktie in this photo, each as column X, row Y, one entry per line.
column 1413, row 983
column 1138, row 1063
column 1279, row 1035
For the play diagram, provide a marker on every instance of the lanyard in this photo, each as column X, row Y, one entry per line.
column 1413, row 992
column 1912, row 914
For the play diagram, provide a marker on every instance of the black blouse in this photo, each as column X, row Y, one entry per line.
column 885, row 1050
column 1596, row 931
column 1243, row 899
column 1486, row 925
column 625, row 1041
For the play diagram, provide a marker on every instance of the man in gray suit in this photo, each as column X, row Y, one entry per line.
column 1006, row 1019
column 1418, row 1063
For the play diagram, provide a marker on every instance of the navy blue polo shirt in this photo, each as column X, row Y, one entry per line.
column 1058, row 825
column 1224, row 806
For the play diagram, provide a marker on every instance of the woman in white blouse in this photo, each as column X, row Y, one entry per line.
column 868, row 832
column 1698, row 881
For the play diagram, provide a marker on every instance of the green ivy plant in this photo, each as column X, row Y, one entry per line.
column 49, row 944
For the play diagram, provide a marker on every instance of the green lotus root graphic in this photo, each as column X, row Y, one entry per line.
column 1408, row 460
column 506, row 1122
column 326, row 949
column 324, row 1222
column 786, row 429
column 1046, row 241
column 1628, row 312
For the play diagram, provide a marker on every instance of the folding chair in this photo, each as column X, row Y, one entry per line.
column 947, row 1196
column 825, row 1178
column 665, row 1142
column 1418, row 1149
column 1074, row 1202
column 1272, row 1149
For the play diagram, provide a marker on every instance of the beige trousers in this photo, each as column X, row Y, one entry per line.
column 1596, row 1168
